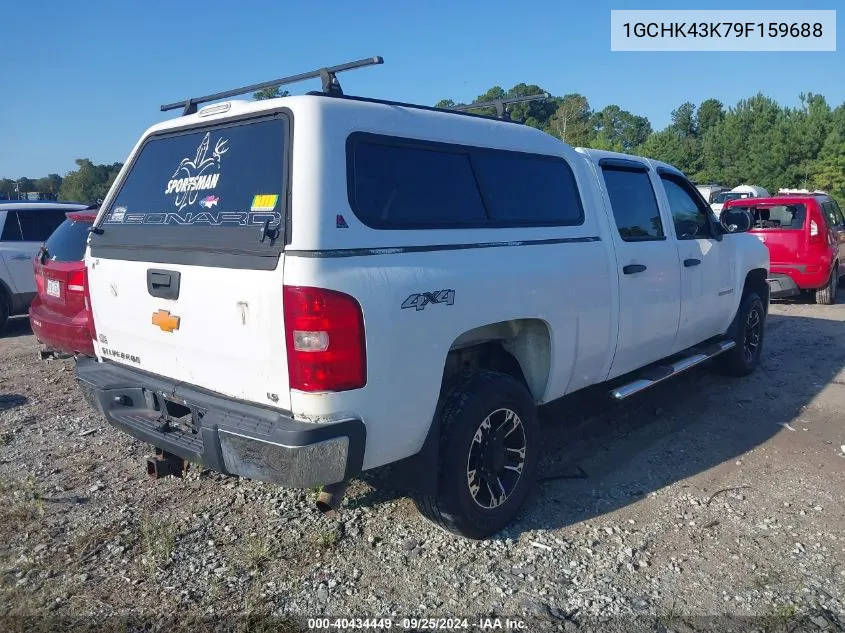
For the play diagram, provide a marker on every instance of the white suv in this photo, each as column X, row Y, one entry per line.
column 300, row 289
column 24, row 226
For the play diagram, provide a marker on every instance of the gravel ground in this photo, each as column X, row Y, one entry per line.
column 708, row 503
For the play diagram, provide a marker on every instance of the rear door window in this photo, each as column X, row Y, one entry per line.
column 838, row 212
column 67, row 243
column 211, row 188
column 634, row 204
column 11, row 228
column 832, row 214
column 36, row 225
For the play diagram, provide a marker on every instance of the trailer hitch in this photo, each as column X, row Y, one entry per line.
column 164, row 464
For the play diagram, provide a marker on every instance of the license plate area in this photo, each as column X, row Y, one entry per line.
column 54, row 288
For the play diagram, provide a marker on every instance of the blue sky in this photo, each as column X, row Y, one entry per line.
column 84, row 79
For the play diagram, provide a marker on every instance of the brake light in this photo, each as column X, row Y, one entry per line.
column 76, row 281
column 324, row 333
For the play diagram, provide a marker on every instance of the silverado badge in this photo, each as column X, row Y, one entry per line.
column 166, row 321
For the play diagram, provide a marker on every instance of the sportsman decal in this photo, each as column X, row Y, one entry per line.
column 198, row 174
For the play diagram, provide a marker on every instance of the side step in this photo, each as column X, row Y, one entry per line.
column 658, row 373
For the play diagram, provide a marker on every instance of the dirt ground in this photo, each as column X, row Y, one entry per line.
column 707, row 502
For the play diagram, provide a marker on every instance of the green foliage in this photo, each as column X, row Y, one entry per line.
column 757, row 141
column 270, row 93
column 89, row 183
column 49, row 184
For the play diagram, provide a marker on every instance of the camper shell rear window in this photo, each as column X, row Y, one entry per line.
column 209, row 188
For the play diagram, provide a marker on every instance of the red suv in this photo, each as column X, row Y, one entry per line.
column 805, row 234
column 60, row 314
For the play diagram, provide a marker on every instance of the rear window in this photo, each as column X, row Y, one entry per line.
column 396, row 183
column 207, row 188
column 67, row 243
column 778, row 217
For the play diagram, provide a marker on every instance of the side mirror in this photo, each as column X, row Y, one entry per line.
column 735, row 220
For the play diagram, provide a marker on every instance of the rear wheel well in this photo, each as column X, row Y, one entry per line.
column 520, row 348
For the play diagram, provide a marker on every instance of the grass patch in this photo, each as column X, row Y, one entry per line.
column 781, row 617
column 25, row 506
column 88, row 543
column 257, row 550
column 158, row 540
column 326, row 539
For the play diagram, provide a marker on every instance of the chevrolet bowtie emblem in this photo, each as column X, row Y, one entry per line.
column 166, row 321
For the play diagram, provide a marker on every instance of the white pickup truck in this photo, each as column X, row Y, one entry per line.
column 300, row 289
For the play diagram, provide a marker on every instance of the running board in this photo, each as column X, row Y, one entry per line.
column 658, row 373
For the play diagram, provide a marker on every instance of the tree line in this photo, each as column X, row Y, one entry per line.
column 88, row 184
column 757, row 141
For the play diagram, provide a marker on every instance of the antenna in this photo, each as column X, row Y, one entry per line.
column 500, row 104
column 328, row 76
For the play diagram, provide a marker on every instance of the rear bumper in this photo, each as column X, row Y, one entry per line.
column 782, row 286
column 61, row 333
column 803, row 276
column 222, row 434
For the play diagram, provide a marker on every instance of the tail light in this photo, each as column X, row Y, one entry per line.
column 815, row 235
column 39, row 279
column 76, row 281
column 324, row 333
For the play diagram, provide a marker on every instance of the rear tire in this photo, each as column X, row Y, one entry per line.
column 827, row 295
column 489, row 450
column 747, row 331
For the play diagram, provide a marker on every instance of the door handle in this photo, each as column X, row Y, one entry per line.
column 691, row 262
column 631, row 269
column 159, row 280
column 163, row 283
column 20, row 257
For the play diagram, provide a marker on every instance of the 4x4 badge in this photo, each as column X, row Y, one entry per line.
column 166, row 321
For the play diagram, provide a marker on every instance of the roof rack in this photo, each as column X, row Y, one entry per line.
column 500, row 104
column 331, row 86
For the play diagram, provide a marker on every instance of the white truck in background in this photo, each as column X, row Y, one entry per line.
column 396, row 284
column 740, row 192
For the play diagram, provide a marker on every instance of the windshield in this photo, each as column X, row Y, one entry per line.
column 204, row 189
column 721, row 198
column 778, row 217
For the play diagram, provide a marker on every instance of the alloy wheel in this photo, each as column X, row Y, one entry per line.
column 496, row 458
